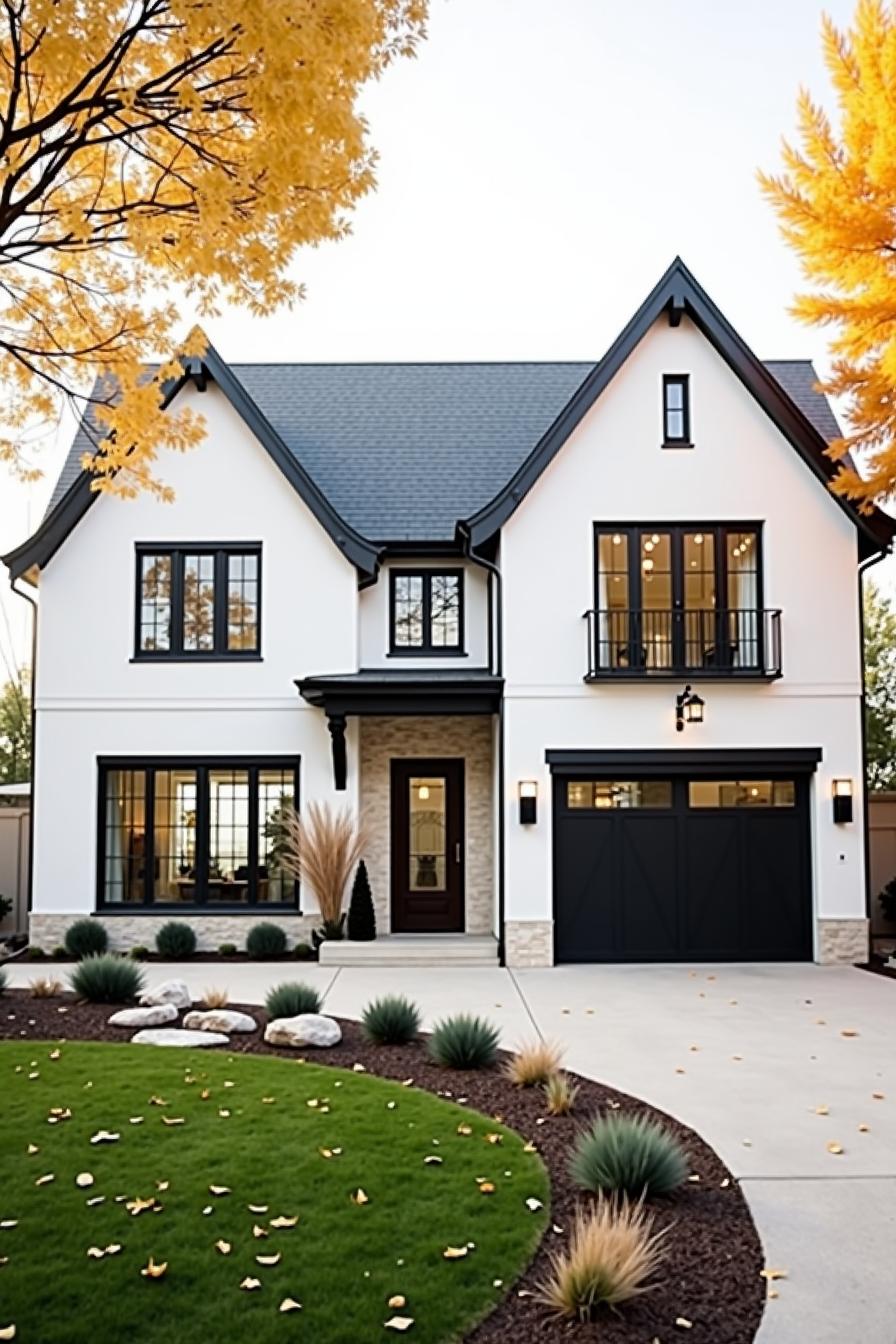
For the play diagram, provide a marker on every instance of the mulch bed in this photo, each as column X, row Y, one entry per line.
column 878, row 966
column 711, row 1277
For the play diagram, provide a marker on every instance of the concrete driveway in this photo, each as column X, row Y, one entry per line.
column 753, row 1057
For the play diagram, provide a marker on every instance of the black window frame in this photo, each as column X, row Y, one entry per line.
column 202, row 765
column 682, row 440
column 221, row 551
column 427, row 649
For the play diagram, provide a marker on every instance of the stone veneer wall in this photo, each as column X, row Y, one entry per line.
column 126, row 931
column 529, row 942
column 842, row 940
column 468, row 736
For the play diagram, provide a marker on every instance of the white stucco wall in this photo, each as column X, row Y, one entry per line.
column 612, row 469
column 373, row 611
column 93, row 700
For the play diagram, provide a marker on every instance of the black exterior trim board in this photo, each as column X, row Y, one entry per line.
column 757, row 761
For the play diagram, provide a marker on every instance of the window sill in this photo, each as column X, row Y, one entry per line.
column 183, row 908
column 165, row 658
column 677, row 443
column 427, row 653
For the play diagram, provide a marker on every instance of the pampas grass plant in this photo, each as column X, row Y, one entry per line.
column 611, row 1255
column 321, row 848
column 532, row 1065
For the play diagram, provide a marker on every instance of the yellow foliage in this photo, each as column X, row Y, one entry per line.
column 165, row 146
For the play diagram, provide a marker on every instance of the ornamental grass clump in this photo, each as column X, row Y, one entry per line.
column 321, row 848
column 532, row 1065
column 107, row 979
column 612, row 1254
column 86, row 938
column 560, row 1094
column 175, row 941
column 292, row 998
column 391, row 1020
column 215, row 997
column 464, row 1042
column 266, row 940
column 629, row 1155
column 44, row 987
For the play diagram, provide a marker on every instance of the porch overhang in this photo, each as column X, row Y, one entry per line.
column 371, row 691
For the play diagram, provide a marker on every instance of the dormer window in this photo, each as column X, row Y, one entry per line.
column 426, row 612
column 676, row 411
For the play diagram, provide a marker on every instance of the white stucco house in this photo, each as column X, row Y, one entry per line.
column 582, row 641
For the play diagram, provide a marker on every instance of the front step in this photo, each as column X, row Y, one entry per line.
column 413, row 949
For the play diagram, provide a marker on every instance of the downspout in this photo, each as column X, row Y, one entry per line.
column 494, row 574
column 30, row 600
column 866, row 836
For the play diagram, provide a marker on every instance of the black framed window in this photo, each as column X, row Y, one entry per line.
column 181, row 832
column 196, row 602
column 426, row 611
column 676, row 408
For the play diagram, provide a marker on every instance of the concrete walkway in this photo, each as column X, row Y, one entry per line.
column 753, row 1057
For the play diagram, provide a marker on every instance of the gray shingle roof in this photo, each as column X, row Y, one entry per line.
column 402, row 451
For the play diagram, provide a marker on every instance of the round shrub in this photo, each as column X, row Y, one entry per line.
column 36, row 954
column 107, row 979
column 266, row 940
column 303, row 952
column 60, row 954
column 292, row 998
column 175, row 940
column 86, row 938
column 391, row 1020
column 138, row 953
column 464, row 1042
column 634, row 1156
column 227, row 950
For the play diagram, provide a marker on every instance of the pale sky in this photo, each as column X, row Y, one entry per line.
column 540, row 165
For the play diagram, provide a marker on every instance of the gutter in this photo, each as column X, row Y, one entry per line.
column 31, row 602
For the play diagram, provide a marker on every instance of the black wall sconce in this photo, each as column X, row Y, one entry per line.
column 842, row 801
column 528, row 802
column 688, row 709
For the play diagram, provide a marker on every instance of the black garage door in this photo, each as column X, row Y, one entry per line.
column 674, row 869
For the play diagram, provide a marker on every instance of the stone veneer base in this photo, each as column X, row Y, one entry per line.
column 126, row 931
column 529, row 942
column 842, row 940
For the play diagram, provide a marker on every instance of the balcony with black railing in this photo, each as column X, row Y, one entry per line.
column 712, row 643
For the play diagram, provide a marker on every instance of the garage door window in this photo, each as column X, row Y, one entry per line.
column 742, row 793
column 604, row 794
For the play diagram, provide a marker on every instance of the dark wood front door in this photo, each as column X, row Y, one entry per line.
column 427, row 846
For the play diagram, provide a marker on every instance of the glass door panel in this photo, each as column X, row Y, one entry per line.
column 427, row 857
column 655, row 633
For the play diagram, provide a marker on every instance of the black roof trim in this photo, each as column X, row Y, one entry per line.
column 752, row 760
column 44, row 543
column 427, row 691
column 678, row 291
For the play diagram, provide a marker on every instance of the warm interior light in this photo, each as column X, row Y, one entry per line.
column 617, row 540
column 693, row 710
column 655, row 539
column 698, row 539
column 423, row 792
column 647, row 564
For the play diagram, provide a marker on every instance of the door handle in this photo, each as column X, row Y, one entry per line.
column 457, row 851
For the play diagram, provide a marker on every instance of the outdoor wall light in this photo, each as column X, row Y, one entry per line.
column 688, row 709
column 528, row 802
column 842, row 800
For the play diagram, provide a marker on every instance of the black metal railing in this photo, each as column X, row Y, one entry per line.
column 710, row 642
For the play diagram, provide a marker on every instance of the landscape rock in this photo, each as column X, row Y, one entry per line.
column 169, row 991
column 154, row 1016
column 220, row 1019
column 177, row 1036
column 306, row 1029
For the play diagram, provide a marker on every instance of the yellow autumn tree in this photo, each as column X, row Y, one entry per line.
column 157, row 149
column 836, row 202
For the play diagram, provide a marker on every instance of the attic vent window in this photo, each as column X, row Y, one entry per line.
column 676, row 410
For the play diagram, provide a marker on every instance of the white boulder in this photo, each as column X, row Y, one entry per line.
column 305, row 1029
column 169, row 991
column 155, row 1016
column 176, row 1036
column 220, row 1019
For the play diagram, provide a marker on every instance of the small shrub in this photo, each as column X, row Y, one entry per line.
column 107, row 979
column 534, row 1064
column 612, row 1253
column 391, row 1020
column 4, row 981
column 560, row 1094
column 361, row 914
column 175, row 941
column 5, row 907
column 266, row 940
column 45, row 987
column 60, row 954
column 215, row 998
column 292, row 998
column 86, row 938
column 227, row 950
column 887, row 899
column 303, row 952
column 634, row 1156
column 464, row 1042
column 36, row 954
column 138, row 953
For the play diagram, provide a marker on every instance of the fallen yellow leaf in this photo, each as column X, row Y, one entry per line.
column 268, row 1259
column 399, row 1323
column 289, row 1304
column 138, row 1206
column 257, row 1208
column 835, row 1148
column 772, row 1274
column 162, row 1185
column 223, row 1246
column 432, row 1160
column 455, row 1252
column 486, row 1188
column 864, row 1129
column 259, row 1232
column 249, row 1284
column 8, row 1332
column 465, row 1130
column 878, row 1096
column 397, row 1302
column 173, row 1120
column 849, row 1031
column 494, row 1138
column 283, row 1221
column 359, row 1197
column 683, row 1323
column 32, row 1149
column 45, row 1180
column 219, row 1189
column 153, row 1271
column 84, row 1180
column 822, row 1110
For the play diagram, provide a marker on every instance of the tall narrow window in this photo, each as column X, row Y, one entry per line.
column 201, row 602
column 427, row 611
column 676, row 408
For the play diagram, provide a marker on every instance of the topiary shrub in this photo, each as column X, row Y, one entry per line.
column 227, row 950
column 303, row 952
column 266, row 940
column 107, row 979
column 86, row 938
column 391, row 1020
column 60, row 954
column 361, row 914
column 175, row 940
column 464, row 1042
column 628, row 1155
column 138, row 953
column 36, row 954
column 292, row 998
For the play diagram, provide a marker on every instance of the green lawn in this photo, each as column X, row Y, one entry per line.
column 342, row 1260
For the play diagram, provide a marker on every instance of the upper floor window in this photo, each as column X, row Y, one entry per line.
column 676, row 408
column 198, row 601
column 426, row 611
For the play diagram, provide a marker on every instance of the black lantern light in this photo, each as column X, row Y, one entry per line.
column 688, row 709
column 842, row 800
column 528, row 802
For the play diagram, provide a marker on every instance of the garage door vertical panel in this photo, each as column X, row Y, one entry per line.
column 648, row 911
column 586, row 872
column 776, row 911
column 710, row 894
